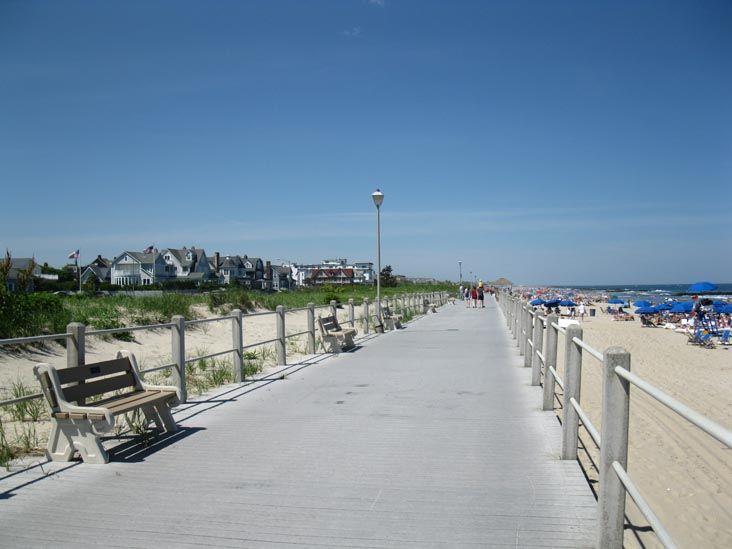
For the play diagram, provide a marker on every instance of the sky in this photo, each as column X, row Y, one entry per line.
column 562, row 142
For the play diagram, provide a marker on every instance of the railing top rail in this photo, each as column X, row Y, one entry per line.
column 594, row 352
column 18, row 400
column 32, row 339
column 259, row 313
column 210, row 355
column 712, row 428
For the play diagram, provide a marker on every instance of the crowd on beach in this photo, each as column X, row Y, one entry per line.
column 704, row 320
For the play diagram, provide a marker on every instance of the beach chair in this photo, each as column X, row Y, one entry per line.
column 701, row 337
column 78, row 426
column 647, row 322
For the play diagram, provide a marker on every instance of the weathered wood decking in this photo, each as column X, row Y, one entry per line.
column 426, row 437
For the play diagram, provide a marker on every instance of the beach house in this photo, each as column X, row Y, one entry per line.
column 188, row 263
column 140, row 269
column 17, row 266
column 98, row 271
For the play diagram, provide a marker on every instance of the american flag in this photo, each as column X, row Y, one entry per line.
column 74, row 255
column 148, row 250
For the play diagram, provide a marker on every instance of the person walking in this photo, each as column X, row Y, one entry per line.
column 582, row 311
column 474, row 297
column 481, row 297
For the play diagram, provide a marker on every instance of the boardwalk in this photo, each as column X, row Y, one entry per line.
column 427, row 437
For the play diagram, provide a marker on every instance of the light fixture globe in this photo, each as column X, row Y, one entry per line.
column 378, row 197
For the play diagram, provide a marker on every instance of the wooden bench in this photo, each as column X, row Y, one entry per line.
column 335, row 338
column 427, row 306
column 391, row 321
column 77, row 426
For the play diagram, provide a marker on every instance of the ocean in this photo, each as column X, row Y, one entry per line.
column 646, row 291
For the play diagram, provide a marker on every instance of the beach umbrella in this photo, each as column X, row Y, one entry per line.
column 536, row 302
column 616, row 301
column 682, row 307
column 567, row 303
column 645, row 310
column 643, row 303
column 664, row 306
column 720, row 306
column 701, row 287
column 552, row 303
column 726, row 309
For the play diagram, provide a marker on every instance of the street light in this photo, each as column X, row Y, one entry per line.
column 460, row 266
column 378, row 198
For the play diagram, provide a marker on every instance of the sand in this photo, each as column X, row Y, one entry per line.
column 683, row 473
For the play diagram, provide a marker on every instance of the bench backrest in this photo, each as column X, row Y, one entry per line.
column 387, row 312
column 329, row 324
column 81, row 382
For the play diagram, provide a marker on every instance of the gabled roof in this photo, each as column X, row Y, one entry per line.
column 140, row 257
column 181, row 254
column 18, row 264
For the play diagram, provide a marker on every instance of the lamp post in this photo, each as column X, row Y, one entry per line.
column 460, row 267
column 378, row 198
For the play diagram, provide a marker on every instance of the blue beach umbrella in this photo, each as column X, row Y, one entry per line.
column 643, row 303
column 552, row 303
column 537, row 301
column 701, row 287
column 567, row 303
column 682, row 307
column 720, row 306
column 645, row 310
column 616, row 301
column 726, row 309
column 664, row 306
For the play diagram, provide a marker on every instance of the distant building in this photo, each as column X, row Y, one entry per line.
column 236, row 269
column 188, row 263
column 333, row 271
column 140, row 269
column 18, row 265
column 98, row 270
column 281, row 277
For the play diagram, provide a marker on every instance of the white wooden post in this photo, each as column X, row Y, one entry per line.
column 238, row 342
column 572, row 384
column 366, row 315
column 178, row 348
column 614, row 447
column 280, row 344
column 552, row 337
column 351, row 314
column 538, row 339
column 311, row 328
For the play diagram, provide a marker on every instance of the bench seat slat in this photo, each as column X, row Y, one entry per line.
column 107, row 385
column 150, row 397
column 91, row 371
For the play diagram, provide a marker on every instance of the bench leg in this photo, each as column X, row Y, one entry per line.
column 398, row 324
column 151, row 415
column 60, row 447
column 163, row 412
column 389, row 324
column 332, row 344
column 84, row 440
column 348, row 341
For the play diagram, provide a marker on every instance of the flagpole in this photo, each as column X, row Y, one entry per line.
column 78, row 269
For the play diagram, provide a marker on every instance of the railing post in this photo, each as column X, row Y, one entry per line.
column 572, row 384
column 529, row 349
column 178, row 344
column 550, row 356
column 538, row 339
column 614, row 447
column 522, row 329
column 366, row 315
column 311, row 328
column 76, row 348
column 280, row 344
column 75, row 345
column 334, row 308
column 237, row 340
column 351, row 314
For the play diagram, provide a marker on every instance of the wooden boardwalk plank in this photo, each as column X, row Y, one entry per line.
column 426, row 437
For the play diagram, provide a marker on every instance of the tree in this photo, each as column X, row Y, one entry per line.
column 387, row 279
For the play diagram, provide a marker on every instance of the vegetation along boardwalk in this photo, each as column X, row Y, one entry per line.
column 429, row 436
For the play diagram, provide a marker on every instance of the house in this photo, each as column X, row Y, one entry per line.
column 140, row 269
column 245, row 270
column 190, row 263
column 98, row 270
column 363, row 271
column 280, row 277
column 328, row 275
column 17, row 266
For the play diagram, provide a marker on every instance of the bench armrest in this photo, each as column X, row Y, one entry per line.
column 147, row 386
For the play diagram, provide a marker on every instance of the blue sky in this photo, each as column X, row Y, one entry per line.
column 549, row 142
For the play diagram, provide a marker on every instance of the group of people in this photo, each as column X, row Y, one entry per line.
column 474, row 296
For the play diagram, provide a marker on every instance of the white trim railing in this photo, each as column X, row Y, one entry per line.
column 76, row 334
column 540, row 353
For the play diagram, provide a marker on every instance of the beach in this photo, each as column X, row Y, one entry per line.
column 684, row 474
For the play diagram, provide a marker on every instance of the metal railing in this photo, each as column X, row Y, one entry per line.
column 612, row 438
column 75, row 337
